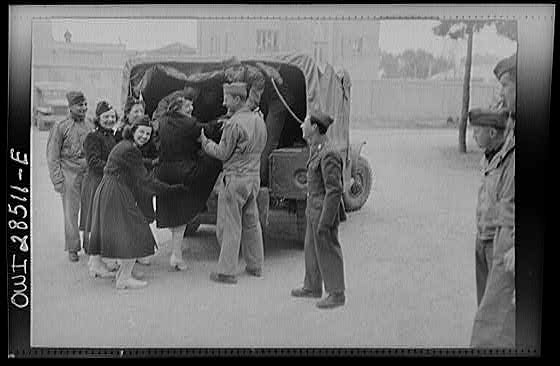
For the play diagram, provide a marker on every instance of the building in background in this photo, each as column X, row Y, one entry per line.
column 349, row 44
column 94, row 68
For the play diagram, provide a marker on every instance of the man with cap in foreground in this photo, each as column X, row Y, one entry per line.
column 323, row 254
column 67, row 165
column 494, row 323
column 242, row 142
column 506, row 73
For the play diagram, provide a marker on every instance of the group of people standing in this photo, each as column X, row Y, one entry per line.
column 108, row 176
column 494, row 132
column 113, row 172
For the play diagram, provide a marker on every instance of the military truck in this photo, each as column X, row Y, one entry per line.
column 282, row 203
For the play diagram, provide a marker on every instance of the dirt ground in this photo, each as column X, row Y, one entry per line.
column 408, row 253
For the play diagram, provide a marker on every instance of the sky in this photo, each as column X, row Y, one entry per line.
column 395, row 35
column 145, row 34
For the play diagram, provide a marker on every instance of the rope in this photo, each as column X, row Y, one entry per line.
column 284, row 101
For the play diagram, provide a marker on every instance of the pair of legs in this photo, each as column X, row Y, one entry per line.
column 238, row 225
column 323, row 264
column 71, row 207
column 124, row 276
column 483, row 265
column 176, row 259
column 494, row 322
column 323, row 260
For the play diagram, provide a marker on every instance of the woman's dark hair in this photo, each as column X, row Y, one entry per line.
column 176, row 104
column 128, row 130
column 96, row 119
column 131, row 102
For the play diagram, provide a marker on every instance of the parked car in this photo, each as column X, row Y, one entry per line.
column 313, row 86
column 49, row 103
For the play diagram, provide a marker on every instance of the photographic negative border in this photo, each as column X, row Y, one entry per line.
column 535, row 56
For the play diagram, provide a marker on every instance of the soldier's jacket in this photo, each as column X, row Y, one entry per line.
column 494, row 323
column 496, row 205
column 253, row 76
column 243, row 140
column 324, row 184
column 65, row 148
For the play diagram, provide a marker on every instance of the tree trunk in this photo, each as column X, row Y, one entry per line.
column 466, row 92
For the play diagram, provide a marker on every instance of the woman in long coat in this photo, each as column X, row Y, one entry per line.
column 182, row 161
column 135, row 108
column 118, row 227
column 97, row 146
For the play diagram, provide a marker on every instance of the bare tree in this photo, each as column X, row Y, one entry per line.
column 461, row 29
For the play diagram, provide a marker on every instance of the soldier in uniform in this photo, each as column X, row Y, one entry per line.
column 494, row 323
column 254, row 77
column 323, row 254
column 67, row 166
column 242, row 142
column 506, row 73
column 489, row 133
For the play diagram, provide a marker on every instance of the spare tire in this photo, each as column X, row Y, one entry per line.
column 359, row 192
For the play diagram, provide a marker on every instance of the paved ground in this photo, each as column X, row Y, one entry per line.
column 409, row 256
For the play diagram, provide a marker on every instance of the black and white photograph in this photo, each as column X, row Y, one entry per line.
column 204, row 179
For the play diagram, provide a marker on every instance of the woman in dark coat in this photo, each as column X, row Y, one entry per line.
column 181, row 161
column 97, row 146
column 118, row 227
column 135, row 108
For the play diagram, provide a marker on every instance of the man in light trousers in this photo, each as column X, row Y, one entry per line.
column 67, row 165
column 243, row 140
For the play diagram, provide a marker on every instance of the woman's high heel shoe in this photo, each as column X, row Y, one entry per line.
column 101, row 272
column 177, row 264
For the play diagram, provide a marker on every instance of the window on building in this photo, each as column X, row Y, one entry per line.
column 228, row 42
column 214, row 45
column 358, row 46
column 267, row 40
column 320, row 52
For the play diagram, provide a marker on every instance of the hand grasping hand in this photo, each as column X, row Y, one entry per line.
column 202, row 137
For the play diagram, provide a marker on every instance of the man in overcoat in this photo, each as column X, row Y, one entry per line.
column 67, row 165
column 494, row 323
column 323, row 254
column 242, row 142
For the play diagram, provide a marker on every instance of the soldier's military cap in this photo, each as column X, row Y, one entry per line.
column 236, row 89
column 75, row 97
column 321, row 118
column 506, row 65
column 488, row 118
column 102, row 107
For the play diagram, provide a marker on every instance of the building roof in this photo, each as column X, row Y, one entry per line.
column 174, row 49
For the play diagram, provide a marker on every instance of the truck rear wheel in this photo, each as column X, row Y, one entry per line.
column 359, row 192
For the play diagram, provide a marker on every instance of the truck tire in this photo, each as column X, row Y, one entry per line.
column 359, row 192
